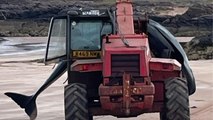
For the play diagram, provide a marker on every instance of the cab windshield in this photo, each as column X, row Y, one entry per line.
column 86, row 35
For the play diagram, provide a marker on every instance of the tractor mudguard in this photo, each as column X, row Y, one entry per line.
column 29, row 102
column 160, row 39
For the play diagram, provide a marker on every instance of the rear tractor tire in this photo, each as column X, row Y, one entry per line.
column 76, row 103
column 176, row 100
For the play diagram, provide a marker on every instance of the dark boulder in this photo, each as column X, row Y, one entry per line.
column 196, row 15
column 200, row 47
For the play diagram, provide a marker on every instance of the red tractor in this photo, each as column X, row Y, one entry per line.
column 117, row 64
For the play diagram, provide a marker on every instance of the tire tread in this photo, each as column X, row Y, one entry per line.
column 76, row 102
column 176, row 105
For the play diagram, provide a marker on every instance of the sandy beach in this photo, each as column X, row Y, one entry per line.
column 19, row 74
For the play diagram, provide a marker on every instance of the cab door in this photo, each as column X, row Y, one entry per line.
column 56, row 45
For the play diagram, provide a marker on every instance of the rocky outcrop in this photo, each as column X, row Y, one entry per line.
column 197, row 15
column 197, row 20
column 200, row 47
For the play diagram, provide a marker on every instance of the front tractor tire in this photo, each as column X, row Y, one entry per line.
column 176, row 100
column 76, row 103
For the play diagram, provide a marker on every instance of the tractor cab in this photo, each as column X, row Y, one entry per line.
column 81, row 31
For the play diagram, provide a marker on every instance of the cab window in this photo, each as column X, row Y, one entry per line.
column 86, row 35
column 57, row 40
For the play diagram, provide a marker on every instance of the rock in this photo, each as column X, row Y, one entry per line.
column 196, row 15
column 193, row 57
column 198, row 10
column 159, row 18
column 2, row 35
column 200, row 47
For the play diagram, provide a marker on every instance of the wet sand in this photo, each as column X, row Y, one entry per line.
column 17, row 74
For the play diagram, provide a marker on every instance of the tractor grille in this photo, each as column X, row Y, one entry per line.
column 129, row 63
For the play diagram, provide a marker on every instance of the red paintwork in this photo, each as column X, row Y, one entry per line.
column 162, row 64
column 119, row 100
column 87, row 65
column 125, row 104
column 135, row 90
column 136, row 98
column 162, row 69
column 139, row 45
column 125, row 17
